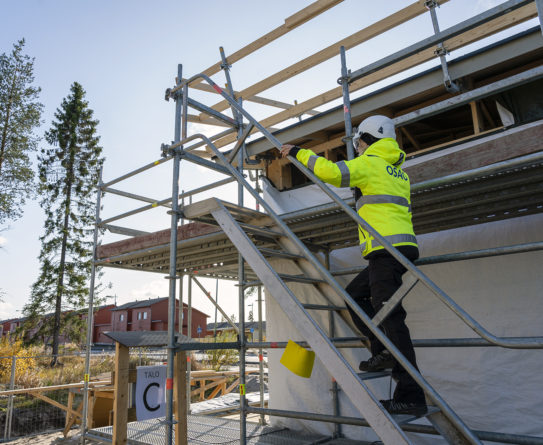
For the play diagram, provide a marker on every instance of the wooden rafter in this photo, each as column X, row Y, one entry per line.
column 476, row 117
column 514, row 17
column 299, row 18
column 256, row 99
column 409, row 136
column 353, row 40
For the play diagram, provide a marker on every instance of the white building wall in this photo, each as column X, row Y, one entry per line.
column 492, row 389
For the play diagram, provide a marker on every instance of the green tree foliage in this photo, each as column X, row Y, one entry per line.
column 68, row 175
column 218, row 359
column 20, row 114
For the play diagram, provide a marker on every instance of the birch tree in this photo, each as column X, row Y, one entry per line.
column 20, row 114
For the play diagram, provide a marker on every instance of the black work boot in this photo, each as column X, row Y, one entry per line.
column 380, row 362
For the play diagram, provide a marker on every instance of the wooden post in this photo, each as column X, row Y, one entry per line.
column 70, row 406
column 120, row 403
column 90, row 410
column 180, row 397
column 476, row 117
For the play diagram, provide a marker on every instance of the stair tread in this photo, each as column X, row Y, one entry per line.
column 373, row 375
column 261, row 230
column 326, row 307
column 406, row 418
column 279, row 253
column 287, row 277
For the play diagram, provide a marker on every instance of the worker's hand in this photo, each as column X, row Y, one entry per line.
column 285, row 150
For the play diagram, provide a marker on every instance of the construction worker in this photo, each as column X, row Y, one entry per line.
column 382, row 194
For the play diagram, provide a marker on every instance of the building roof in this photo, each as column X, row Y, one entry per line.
column 139, row 304
column 506, row 54
column 225, row 325
column 148, row 303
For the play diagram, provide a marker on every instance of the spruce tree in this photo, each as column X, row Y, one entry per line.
column 68, row 176
column 20, row 114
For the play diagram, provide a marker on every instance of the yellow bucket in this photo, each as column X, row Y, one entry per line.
column 298, row 360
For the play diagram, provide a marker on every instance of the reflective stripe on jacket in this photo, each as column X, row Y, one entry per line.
column 385, row 202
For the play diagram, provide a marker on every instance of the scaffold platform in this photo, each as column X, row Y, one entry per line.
column 494, row 192
column 208, row 430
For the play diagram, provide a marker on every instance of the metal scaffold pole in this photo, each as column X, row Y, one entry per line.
column 243, row 349
column 261, row 355
column 241, row 269
column 216, row 308
column 180, row 310
column 344, row 82
column 180, row 109
column 189, row 335
column 90, row 313
column 335, row 387
column 539, row 5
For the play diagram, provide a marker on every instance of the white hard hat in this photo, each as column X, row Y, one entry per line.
column 378, row 126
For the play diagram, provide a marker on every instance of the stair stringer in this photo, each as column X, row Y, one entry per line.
column 440, row 422
column 362, row 398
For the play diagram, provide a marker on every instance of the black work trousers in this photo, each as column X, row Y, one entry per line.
column 371, row 288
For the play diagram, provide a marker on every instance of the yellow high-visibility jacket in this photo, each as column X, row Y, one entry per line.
column 385, row 201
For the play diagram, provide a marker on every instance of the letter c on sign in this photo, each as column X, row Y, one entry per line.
column 147, row 407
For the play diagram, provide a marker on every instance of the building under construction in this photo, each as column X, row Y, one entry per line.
column 472, row 128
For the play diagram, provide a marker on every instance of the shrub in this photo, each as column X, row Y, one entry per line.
column 25, row 366
column 218, row 358
column 33, row 367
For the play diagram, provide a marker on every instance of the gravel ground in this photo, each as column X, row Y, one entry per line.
column 48, row 438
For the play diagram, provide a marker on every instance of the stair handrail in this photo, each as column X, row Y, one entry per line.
column 432, row 394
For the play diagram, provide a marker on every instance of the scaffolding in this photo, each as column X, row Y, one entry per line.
column 219, row 254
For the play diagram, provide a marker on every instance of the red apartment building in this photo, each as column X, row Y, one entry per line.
column 147, row 315
column 9, row 326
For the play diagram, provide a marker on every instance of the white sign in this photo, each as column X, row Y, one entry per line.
column 151, row 392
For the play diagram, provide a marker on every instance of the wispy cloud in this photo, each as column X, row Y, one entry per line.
column 3, row 241
column 7, row 310
column 152, row 289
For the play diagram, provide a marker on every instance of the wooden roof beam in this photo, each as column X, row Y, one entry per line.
column 515, row 17
column 256, row 99
column 299, row 18
column 375, row 29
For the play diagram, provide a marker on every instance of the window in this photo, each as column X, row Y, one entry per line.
column 139, row 315
column 121, row 317
column 145, row 315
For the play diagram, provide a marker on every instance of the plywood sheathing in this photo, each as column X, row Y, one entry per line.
column 186, row 231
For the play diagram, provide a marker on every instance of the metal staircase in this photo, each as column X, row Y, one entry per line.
column 246, row 228
column 237, row 223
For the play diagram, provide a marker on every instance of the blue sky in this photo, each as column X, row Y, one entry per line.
column 125, row 54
